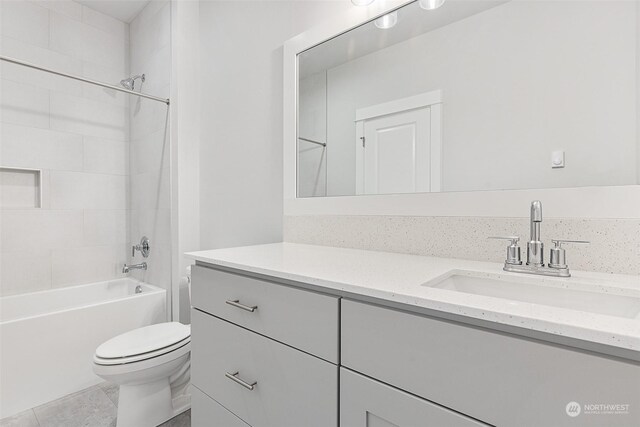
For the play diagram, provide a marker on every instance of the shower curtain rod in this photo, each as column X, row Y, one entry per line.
column 82, row 79
column 324, row 144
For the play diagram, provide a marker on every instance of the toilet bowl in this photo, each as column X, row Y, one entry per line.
column 152, row 367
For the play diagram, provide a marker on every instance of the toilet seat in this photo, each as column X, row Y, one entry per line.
column 143, row 344
column 139, row 357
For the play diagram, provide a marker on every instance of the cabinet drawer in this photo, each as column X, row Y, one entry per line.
column 291, row 388
column 500, row 379
column 368, row 403
column 302, row 319
column 206, row 412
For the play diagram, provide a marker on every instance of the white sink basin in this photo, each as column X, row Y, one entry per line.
column 533, row 290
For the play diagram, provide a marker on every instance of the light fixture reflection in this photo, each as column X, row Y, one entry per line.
column 362, row 2
column 430, row 4
column 387, row 21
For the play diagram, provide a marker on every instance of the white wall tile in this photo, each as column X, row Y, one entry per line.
column 106, row 156
column 76, row 133
column 156, row 225
column 105, row 120
column 35, row 148
column 150, row 30
column 68, row 8
column 76, row 190
column 24, row 230
column 43, row 57
column 24, row 104
column 90, row 264
column 45, row 195
column 86, row 42
column 67, row 113
column 66, row 35
column 105, row 227
column 154, row 66
column 104, row 49
column 150, row 153
column 20, row 189
column 148, row 116
column 25, row 21
column 27, row 271
column 105, row 23
column 150, row 149
column 106, row 75
column 150, row 190
column 93, row 118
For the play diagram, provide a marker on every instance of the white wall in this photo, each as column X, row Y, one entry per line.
column 77, row 133
column 519, row 81
column 185, row 145
column 241, row 132
column 150, row 194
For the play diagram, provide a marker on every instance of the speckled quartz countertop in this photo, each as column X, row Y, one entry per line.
column 399, row 279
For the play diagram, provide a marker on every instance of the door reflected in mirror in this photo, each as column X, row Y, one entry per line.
column 474, row 95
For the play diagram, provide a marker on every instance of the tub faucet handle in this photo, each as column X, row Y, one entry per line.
column 143, row 247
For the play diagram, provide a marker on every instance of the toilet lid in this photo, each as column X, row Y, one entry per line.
column 144, row 340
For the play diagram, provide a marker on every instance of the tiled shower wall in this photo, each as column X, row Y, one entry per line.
column 76, row 133
column 614, row 247
column 150, row 203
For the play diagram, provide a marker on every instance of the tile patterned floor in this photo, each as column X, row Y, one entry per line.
column 94, row 407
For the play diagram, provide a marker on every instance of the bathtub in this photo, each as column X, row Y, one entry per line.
column 47, row 339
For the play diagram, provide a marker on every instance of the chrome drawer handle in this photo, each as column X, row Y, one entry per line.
column 234, row 377
column 236, row 303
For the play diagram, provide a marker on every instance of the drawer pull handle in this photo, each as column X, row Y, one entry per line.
column 236, row 303
column 234, row 377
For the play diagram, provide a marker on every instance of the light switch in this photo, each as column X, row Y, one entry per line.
column 557, row 159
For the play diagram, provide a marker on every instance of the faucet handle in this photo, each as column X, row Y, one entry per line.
column 514, row 239
column 558, row 242
column 143, row 247
column 513, row 250
column 557, row 254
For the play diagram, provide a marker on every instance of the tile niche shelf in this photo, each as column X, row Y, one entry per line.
column 20, row 188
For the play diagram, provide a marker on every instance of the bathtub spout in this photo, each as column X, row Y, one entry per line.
column 127, row 268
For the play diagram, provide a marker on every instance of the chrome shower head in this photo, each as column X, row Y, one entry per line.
column 130, row 83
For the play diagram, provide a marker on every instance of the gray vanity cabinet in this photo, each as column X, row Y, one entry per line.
column 259, row 352
column 266, row 354
column 308, row 321
column 368, row 403
column 204, row 411
column 497, row 378
column 275, row 385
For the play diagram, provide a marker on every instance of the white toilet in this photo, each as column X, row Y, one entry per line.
column 152, row 367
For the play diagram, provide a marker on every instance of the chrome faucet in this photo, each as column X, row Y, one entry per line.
column 535, row 250
column 127, row 268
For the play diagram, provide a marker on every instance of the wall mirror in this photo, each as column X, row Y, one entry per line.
column 473, row 95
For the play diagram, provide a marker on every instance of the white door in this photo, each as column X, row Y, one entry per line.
column 396, row 153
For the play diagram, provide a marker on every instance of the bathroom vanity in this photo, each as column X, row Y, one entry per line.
column 299, row 335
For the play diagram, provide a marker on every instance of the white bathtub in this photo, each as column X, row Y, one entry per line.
column 47, row 339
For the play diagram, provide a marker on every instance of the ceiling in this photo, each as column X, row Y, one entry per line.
column 123, row 10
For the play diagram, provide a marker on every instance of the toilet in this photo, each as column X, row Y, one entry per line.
column 152, row 367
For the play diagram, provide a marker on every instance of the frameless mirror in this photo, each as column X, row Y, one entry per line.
column 474, row 95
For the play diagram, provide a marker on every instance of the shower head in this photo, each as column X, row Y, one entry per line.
column 131, row 81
